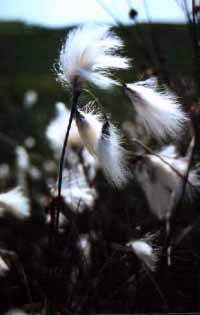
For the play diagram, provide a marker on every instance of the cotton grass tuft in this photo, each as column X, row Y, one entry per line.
column 56, row 130
column 88, row 54
column 145, row 252
column 103, row 141
column 158, row 111
column 15, row 202
column 159, row 176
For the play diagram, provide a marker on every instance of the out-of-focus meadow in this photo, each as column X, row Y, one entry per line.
column 94, row 274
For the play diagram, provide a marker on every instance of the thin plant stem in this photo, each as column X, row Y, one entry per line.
column 158, row 289
column 184, row 233
column 75, row 96
column 193, row 24
column 57, row 201
column 97, row 279
column 109, row 12
column 156, row 48
column 176, row 202
column 180, row 195
column 96, row 99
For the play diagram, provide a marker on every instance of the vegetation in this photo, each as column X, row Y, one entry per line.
column 94, row 270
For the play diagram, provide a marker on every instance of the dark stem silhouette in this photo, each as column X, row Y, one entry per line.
column 75, row 95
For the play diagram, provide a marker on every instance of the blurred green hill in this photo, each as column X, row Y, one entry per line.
column 27, row 53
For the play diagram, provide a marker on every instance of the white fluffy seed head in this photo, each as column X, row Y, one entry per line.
column 103, row 141
column 4, row 268
column 15, row 202
column 168, row 151
column 56, row 130
column 76, row 191
column 88, row 54
column 90, row 124
column 170, row 155
column 30, row 98
column 4, row 171
column 158, row 111
column 113, row 157
column 159, row 180
column 145, row 252
column 79, row 198
column 22, row 158
column 85, row 246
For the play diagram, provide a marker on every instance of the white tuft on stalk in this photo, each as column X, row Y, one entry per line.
column 103, row 141
column 90, row 126
column 4, row 171
column 79, row 198
column 30, row 98
column 30, row 142
column 90, row 164
column 85, row 246
column 56, row 130
column 113, row 157
column 4, row 268
column 23, row 166
column 160, row 175
column 14, row 202
column 145, row 252
column 158, row 111
column 88, row 54
column 22, row 159
column 168, row 151
column 76, row 192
